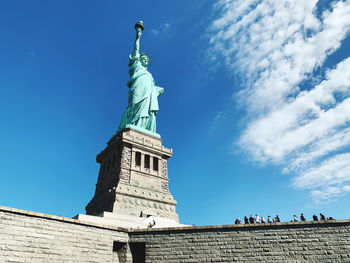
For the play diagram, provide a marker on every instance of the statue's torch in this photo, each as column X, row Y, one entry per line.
column 139, row 26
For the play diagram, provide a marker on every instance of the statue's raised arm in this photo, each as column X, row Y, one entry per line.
column 139, row 28
column 143, row 93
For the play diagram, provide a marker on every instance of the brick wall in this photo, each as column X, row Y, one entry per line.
column 33, row 237
column 281, row 242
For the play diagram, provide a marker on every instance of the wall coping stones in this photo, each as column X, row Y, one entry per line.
column 59, row 218
column 298, row 224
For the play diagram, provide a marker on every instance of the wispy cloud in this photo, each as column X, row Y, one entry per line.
column 276, row 46
column 219, row 116
column 163, row 29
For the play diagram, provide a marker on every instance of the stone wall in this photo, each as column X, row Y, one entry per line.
column 327, row 241
column 34, row 237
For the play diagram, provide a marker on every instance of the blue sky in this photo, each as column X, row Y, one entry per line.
column 256, row 104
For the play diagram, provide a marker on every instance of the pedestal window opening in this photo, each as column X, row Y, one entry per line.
column 155, row 163
column 147, row 161
column 138, row 159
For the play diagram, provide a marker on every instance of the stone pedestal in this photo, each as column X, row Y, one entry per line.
column 133, row 177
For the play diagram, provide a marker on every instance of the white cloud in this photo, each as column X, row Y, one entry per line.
column 325, row 195
column 302, row 121
column 332, row 172
column 275, row 46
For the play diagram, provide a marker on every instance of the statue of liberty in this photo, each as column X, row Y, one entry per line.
column 143, row 93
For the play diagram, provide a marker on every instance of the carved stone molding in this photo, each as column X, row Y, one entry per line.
column 164, row 168
column 124, row 175
column 165, row 185
column 126, row 158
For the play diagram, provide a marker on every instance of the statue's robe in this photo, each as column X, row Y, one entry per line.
column 143, row 97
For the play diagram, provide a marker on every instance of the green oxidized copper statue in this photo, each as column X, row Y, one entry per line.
column 143, row 93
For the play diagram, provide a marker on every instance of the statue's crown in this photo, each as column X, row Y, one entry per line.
column 145, row 54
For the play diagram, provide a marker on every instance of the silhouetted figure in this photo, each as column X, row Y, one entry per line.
column 151, row 224
column 302, row 218
column 251, row 219
column 269, row 219
column 314, row 217
column 263, row 220
column 238, row 221
column 295, row 218
column 246, row 221
column 330, row 218
column 277, row 219
column 322, row 217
